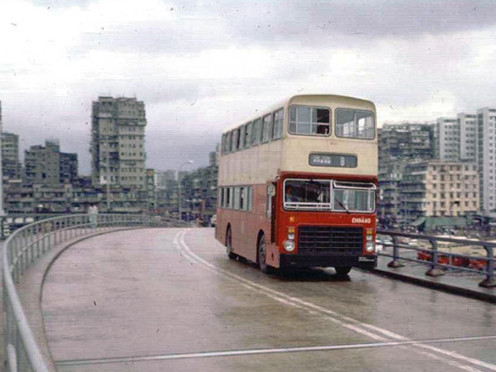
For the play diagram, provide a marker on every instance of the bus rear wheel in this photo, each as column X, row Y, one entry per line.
column 262, row 256
column 342, row 271
column 229, row 251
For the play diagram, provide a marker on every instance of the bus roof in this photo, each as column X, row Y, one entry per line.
column 333, row 97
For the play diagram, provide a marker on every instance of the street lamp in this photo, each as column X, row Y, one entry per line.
column 179, row 188
column 107, row 168
column 2, row 212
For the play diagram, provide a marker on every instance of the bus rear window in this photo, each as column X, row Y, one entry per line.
column 310, row 121
column 355, row 124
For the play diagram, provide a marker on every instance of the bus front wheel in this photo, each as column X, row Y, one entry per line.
column 262, row 256
column 342, row 271
column 229, row 251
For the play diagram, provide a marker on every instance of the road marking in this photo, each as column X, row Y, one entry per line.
column 342, row 320
column 230, row 353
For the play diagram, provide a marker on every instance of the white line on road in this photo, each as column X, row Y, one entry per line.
column 228, row 353
column 342, row 320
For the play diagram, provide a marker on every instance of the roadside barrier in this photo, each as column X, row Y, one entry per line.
column 440, row 253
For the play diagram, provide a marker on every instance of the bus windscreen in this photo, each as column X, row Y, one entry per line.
column 329, row 195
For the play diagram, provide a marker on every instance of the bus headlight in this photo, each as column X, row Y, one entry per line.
column 289, row 245
column 370, row 247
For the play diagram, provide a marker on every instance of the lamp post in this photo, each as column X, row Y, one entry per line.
column 106, row 156
column 2, row 212
column 179, row 188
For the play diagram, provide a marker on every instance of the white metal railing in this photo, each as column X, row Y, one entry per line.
column 22, row 248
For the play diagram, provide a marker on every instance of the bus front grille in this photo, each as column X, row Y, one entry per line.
column 330, row 240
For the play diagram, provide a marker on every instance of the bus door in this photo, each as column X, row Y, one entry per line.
column 270, row 209
column 272, row 257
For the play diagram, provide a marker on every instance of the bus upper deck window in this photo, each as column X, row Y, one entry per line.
column 311, row 121
column 256, row 131
column 278, row 117
column 266, row 128
column 355, row 124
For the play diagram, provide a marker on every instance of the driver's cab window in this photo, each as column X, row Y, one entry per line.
column 306, row 194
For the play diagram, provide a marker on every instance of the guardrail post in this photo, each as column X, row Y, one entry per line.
column 12, row 358
column 489, row 282
column 395, row 263
column 434, row 270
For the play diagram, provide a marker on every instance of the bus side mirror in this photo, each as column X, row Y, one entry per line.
column 271, row 190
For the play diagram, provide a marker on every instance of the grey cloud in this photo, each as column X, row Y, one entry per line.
column 354, row 17
column 166, row 148
column 217, row 24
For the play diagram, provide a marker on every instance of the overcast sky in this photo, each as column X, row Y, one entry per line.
column 200, row 66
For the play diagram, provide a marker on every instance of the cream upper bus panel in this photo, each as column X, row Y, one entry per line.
column 262, row 162
column 297, row 148
column 297, row 153
column 255, row 165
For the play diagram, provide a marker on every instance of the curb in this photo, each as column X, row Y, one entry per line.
column 487, row 297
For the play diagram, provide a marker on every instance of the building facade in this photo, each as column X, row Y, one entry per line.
column 68, row 168
column 10, row 156
column 399, row 145
column 448, row 132
column 41, row 166
column 439, row 189
column 486, row 148
column 468, row 136
column 118, row 143
column 46, row 165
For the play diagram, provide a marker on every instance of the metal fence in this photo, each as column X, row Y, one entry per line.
column 27, row 244
column 440, row 254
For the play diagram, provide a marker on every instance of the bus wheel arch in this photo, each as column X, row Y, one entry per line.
column 262, row 253
column 228, row 244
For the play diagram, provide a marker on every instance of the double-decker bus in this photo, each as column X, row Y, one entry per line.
column 297, row 185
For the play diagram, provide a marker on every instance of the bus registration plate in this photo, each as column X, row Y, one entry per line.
column 333, row 160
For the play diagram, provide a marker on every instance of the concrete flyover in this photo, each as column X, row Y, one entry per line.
column 170, row 299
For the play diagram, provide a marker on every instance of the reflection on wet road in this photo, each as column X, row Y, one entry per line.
column 170, row 299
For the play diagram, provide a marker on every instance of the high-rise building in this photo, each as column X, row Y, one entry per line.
column 118, row 143
column 448, row 140
column 399, row 144
column 468, row 136
column 10, row 156
column 486, row 149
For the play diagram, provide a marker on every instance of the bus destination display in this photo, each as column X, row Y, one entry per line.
column 333, row 160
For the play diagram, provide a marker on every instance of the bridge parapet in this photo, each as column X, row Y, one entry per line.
column 441, row 253
column 31, row 242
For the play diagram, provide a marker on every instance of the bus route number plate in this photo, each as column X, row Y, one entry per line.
column 333, row 160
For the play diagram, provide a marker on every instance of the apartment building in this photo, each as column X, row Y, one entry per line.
column 438, row 189
column 46, row 165
column 467, row 123
column 486, row 148
column 41, row 166
column 10, row 156
column 448, row 139
column 399, row 145
column 118, row 143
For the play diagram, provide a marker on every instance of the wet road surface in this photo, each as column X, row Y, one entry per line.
column 170, row 299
